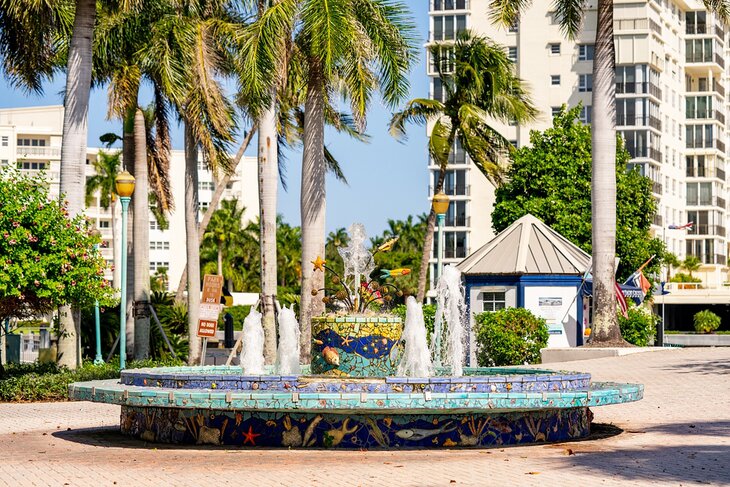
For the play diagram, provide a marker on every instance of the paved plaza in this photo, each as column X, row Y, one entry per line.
column 678, row 435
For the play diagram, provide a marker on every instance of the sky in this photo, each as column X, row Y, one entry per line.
column 387, row 178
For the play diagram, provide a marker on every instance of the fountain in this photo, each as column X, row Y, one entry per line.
column 371, row 383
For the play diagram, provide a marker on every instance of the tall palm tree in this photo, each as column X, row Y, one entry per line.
column 226, row 224
column 482, row 87
column 570, row 14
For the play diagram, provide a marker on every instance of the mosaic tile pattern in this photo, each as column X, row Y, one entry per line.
column 367, row 346
column 479, row 380
column 326, row 430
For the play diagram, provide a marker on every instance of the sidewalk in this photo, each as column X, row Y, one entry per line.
column 678, row 435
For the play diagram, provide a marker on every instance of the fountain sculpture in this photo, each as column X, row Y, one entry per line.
column 372, row 383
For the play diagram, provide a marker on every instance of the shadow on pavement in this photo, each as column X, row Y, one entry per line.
column 660, row 463
column 701, row 367
column 720, row 429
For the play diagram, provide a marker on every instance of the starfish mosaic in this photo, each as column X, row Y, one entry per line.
column 250, row 436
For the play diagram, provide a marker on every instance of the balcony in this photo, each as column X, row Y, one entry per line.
column 449, row 5
column 24, row 152
column 642, row 121
column 709, row 201
column 702, row 172
column 658, row 220
column 458, row 221
column 703, row 229
column 656, row 188
column 639, row 89
column 711, row 144
column 656, row 155
column 461, row 190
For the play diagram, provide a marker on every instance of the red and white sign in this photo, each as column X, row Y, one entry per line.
column 210, row 306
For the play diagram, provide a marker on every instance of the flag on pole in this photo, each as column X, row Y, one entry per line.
column 687, row 226
column 637, row 279
column 621, row 300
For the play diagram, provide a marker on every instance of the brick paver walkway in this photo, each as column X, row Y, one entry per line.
column 678, row 435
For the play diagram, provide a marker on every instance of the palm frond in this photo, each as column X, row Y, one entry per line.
column 570, row 15
column 441, row 141
column 418, row 111
column 506, row 12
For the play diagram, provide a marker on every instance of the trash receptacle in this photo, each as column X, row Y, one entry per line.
column 228, row 327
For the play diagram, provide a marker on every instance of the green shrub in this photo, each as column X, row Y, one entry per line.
column 48, row 382
column 238, row 312
column 683, row 277
column 706, row 321
column 512, row 336
column 639, row 327
column 429, row 316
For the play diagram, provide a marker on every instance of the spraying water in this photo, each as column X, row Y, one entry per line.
column 416, row 361
column 252, row 353
column 287, row 355
column 449, row 336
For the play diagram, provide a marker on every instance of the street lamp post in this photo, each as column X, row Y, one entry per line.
column 440, row 206
column 125, row 188
column 97, row 319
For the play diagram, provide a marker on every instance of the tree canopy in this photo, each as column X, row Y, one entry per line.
column 48, row 259
column 551, row 179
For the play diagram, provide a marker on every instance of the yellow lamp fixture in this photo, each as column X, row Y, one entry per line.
column 440, row 203
column 124, row 183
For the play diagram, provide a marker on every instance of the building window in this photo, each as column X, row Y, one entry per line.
column 154, row 225
column 515, row 26
column 458, row 154
column 439, row 5
column 154, row 266
column 104, row 224
column 454, row 182
column 513, row 143
column 206, row 186
column 512, row 54
column 585, row 114
column 555, row 79
column 439, row 94
column 4, row 163
column 555, row 49
column 448, row 27
column 203, row 206
column 456, row 214
column 696, row 23
column 701, row 136
column 493, row 301
column 585, row 82
column 32, row 166
column 554, row 111
column 159, row 245
column 5, row 140
column 586, row 52
column 454, row 245
column 442, row 60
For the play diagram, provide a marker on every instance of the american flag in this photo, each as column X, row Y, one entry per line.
column 687, row 226
column 621, row 299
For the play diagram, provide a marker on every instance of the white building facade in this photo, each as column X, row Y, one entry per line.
column 671, row 76
column 31, row 138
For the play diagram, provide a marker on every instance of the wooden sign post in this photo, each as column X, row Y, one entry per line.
column 210, row 308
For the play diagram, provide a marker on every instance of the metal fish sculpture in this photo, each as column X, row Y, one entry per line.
column 385, row 273
column 387, row 246
column 415, row 434
column 331, row 356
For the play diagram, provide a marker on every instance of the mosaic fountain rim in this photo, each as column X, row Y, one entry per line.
column 503, row 379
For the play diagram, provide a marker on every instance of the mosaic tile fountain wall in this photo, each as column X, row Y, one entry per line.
column 291, row 429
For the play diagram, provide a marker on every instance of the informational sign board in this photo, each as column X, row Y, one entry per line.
column 210, row 306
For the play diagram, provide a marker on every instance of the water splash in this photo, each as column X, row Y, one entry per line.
column 357, row 259
column 252, row 353
column 287, row 355
column 416, row 361
column 448, row 343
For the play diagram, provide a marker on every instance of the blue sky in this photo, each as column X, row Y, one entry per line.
column 387, row 178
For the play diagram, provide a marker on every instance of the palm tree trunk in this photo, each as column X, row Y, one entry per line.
column 313, row 204
column 128, row 157
column 73, row 152
column 192, row 243
column 141, row 241
column 220, row 259
column 428, row 240
column 268, row 172
column 215, row 200
column 605, row 323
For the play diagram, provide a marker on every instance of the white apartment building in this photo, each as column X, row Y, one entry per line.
column 671, row 110
column 32, row 137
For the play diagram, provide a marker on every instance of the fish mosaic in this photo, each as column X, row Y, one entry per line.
column 309, row 430
column 369, row 348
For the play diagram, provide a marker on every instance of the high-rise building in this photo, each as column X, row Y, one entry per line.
column 31, row 138
column 670, row 105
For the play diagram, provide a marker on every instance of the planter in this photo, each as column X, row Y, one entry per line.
column 356, row 346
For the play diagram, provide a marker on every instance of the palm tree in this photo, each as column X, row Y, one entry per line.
column 691, row 263
column 570, row 15
column 106, row 166
column 226, row 224
column 483, row 87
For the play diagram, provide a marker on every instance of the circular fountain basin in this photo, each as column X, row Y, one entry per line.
column 486, row 407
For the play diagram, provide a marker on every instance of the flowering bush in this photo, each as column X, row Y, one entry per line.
column 47, row 259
